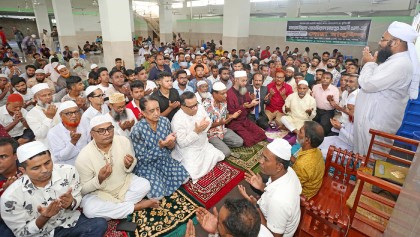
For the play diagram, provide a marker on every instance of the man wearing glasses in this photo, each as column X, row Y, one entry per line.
column 95, row 97
column 192, row 148
column 66, row 139
column 105, row 165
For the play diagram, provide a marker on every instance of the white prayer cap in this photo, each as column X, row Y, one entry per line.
column 304, row 82
column 33, row 36
column 39, row 87
column 188, row 72
column 254, row 57
column 240, row 74
column 219, row 86
column 91, row 89
column 116, row 98
column 3, row 75
column 408, row 34
column 290, row 68
column 29, row 150
column 202, row 48
column 66, row 105
column 266, row 60
column 187, row 55
column 100, row 119
column 93, row 66
column 222, row 58
column 258, row 46
column 183, row 64
column 281, row 148
column 40, row 71
column 75, row 51
column 351, row 100
column 202, row 82
column 60, row 67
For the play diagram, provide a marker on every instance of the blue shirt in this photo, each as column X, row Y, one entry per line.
column 187, row 88
column 154, row 72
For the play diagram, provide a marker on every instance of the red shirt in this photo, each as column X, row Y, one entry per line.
column 133, row 107
column 276, row 101
column 265, row 54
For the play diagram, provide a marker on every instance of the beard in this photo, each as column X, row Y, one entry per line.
column 119, row 116
column 329, row 65
column 383, row 54
column 204, row 95
column 242, row 90
column 288, row 78
column 22, row 91
column 43, row 105
column 30, row 75
column 71, row 124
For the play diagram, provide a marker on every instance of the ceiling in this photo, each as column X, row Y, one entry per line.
column 259, row 8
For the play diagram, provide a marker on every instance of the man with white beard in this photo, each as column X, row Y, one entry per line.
column 123, row 119
column 40, row 117
column 202, row 92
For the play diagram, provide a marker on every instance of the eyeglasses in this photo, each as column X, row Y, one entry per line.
column 102, row 131
column 70, row 113
column 192, row 106
column 97, row 96
column 385, row 40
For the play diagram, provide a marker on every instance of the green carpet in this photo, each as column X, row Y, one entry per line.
column 169, row 220
column 249, row 157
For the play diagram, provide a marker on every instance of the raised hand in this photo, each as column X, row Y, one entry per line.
column 236, row 114
column 286, row 109
column 66, row 199
column 74, row 137
column 255, row 180
column 207, row 220
column 190, row 232
column 367, row 56
column 9, row 181
column 309, row 111
column 50, row 111
column 174, row 104
column 128, row 161
column 200, row 127
column 104, row 172
column 51, row 210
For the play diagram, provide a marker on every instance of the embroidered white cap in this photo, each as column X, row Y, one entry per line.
column 281, row 148
column 39, row 87
column 240, row 74
column 100, row 119
column 29, row 150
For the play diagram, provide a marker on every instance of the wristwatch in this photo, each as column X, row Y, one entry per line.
column 73, row 204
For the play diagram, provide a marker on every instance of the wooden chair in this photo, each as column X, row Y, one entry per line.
column 326, row 214
column 384, row 150
column 375, row 226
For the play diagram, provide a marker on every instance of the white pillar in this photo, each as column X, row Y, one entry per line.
column 165, row 24
column 236, row 24
column 132, row 17
column 41, row 17
column 116, row 32
column 65, row 24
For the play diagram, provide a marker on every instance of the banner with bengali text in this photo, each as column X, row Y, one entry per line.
column 342, row 32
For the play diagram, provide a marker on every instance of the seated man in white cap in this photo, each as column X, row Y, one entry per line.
column 78, row 65
column 289, row 77
column 192, row 149
column 61, row 84
column 221, row 137
column 298, row 108
column 239, row 101
column 105, row 166
column 122, row 118
column 345, row 137
column 280, row 202
column 40, row 77
column 66, row 139
column 95, row 97
column 45, row 203
column 309, row 164
column 202, row 93
column 384, row 93
column 13, row 119
column 40, row 117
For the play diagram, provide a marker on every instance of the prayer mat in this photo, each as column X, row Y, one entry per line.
column 112, row 230
column 169, row 220
column 212, row 187
column 249, row 156
column 275, row 133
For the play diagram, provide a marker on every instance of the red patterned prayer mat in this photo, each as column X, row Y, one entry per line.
column 112, row 230
column 212, row 187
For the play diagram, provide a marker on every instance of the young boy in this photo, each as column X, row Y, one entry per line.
column 137, row 92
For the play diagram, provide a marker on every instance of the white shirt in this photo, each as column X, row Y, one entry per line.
column 259, row 97
column 345, row 97
column 39, row 123
column 50, row 68
column 212, row 79
column 267, row 80
column 117, row 128
column 150, row 85
column 103, row 88
column 20, row 201
column 88, row 115
column 193, row 150
column 281, row 209
column 6, row 119
column 61, row 148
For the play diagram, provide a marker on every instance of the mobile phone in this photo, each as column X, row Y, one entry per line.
column 124, row 225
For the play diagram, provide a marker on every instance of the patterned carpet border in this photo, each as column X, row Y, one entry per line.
column 169, row 220
column 249, row 157
column 211, row 188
